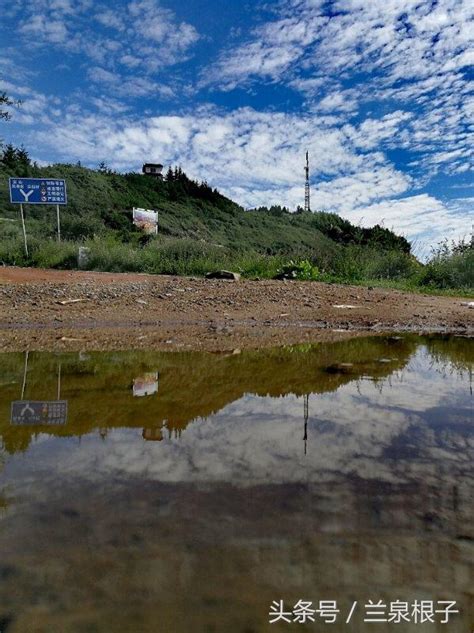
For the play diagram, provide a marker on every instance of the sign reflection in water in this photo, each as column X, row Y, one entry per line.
column 228, row 513
column 146, row 385
column 38, row 412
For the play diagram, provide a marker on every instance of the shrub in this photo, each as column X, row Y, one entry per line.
column 51, row 254
column 12, row 252
column 255, row 266
column 109, row 255
column 79, row 228
column 183, row 257
column 450, row 266
column 390, row 265
column 302, row 270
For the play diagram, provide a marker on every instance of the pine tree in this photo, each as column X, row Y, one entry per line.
column 16, row 159
column 22, row 157
column 9, row 156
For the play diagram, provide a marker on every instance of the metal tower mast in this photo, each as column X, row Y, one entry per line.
column 307, row 203
column 306, row 415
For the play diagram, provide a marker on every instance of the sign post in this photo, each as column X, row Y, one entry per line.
column 59, row 223
column 24, row 228
column 38, row 191
column 28, row 412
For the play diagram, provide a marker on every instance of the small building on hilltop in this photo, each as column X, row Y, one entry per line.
column 153, row 169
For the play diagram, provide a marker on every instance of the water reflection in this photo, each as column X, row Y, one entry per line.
column 339, row 471
column 194, row 386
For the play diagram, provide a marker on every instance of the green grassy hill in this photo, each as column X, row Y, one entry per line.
column 199, row 230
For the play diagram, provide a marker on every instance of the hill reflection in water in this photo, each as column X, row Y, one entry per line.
column 336, row 471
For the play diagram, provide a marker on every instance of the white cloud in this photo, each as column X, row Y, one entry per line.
column 54, row 31
column 276, row 47
column 101, row 75
column 342, row 101
column 401, row 51
column 110, row 19
column 141, row 30
column 423, row 218
column 128, row 86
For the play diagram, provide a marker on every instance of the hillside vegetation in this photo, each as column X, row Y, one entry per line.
column 202, row 230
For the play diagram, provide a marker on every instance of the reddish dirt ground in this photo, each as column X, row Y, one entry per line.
column 71, row 310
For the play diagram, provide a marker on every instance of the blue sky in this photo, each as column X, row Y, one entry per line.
column 235, row 92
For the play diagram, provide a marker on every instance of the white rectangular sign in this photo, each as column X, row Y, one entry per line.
column 146, row 220
column 146, row 384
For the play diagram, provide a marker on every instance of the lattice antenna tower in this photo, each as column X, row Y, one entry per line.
column 306, row 416
column 307, row 194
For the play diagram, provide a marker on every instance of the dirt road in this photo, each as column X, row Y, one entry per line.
column 63, row 310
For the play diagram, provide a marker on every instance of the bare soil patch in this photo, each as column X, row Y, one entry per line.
column 72, row 310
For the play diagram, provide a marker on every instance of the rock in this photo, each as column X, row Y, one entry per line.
column 83, row 257
column 340, row 368
column 223, row 274
column 66, row 301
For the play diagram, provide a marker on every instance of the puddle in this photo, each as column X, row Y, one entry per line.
column 162, row 492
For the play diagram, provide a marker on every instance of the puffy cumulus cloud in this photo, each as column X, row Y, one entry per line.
column 344, row 54
column 406, row 38
column 243, row 148
column 377, row 133
column 34, row 107
column 423, row 218
column 128, row 86
column 338, row 101
column 123, row 50
column 141, row 32
column 274, row 49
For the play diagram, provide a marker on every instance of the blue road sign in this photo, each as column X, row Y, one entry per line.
column 24, row 412
column 38, row 191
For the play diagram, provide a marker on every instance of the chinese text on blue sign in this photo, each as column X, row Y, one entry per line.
column 38, row 191
column 25, row 412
